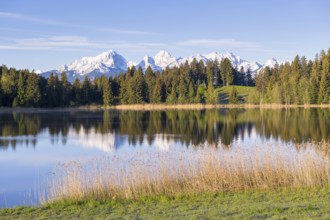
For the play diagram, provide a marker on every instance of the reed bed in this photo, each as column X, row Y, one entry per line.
column 190, row 172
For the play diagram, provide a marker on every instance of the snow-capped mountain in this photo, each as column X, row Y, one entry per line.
column 272, row 63
column 148, row 61
column 107, row 63
column 111, row 63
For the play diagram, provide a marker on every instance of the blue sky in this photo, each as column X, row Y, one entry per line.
column 39, row 34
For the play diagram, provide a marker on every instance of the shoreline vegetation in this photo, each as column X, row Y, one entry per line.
column 209, row 170
column 239, row 184
column 157, row 107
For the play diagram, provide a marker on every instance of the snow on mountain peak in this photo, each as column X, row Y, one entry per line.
column 272, row 63
column 102, row 63
column 164, row 59
column 111, row 63
column 148, row 61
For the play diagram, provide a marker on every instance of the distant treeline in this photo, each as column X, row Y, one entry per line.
column 299, row 82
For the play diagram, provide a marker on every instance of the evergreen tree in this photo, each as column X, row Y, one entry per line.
column 182, row 90
column 157, row 92
column 191, row 93
column 33, row 94
column 86, row 91
column 76, row 92
column 106, row 91
column 8, row 86
column 172, row 98
column 65, row 88
column 53, row 91
column 262, row 80
column 324, row 91
column 210, row 73
column 150, row 82
column 226, row 71
column 200, row 95
column 21, row 90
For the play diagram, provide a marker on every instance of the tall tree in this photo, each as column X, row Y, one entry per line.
column 106, row 91
column 226, row 71
column 33, row 94
column 53, row 91
column 65, row 89
column 324, row 92
column 86, row 91
column 21, row 90
column 76, row 92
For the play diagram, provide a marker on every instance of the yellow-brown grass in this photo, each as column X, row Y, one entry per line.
column 148, row 107
column 205, row 170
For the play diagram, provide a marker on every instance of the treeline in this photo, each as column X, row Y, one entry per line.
column 189, row 83
column 298, row 82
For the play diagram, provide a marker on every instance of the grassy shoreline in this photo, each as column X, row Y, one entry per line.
column 150, row 107
column 302, row 203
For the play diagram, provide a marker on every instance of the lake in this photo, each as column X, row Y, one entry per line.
column 34, row 142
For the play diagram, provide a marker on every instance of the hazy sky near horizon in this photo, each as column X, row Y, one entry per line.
column 38, row 34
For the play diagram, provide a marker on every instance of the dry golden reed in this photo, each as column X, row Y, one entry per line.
column 149, row 107
column 192, row 171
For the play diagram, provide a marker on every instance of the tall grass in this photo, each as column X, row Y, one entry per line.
column 191, row 172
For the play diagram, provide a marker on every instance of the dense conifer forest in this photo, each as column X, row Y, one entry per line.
column 301, row 81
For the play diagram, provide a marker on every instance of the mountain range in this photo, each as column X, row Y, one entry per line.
column 110, row 63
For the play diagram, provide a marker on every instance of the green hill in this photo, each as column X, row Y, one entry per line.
column 246, row 94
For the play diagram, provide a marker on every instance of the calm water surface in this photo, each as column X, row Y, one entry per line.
column 33, row 143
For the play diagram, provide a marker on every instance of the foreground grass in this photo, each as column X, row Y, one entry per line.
column 307, row 203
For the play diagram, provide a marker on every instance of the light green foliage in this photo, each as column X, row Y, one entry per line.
column 233, row 96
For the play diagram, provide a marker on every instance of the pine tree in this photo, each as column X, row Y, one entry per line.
column 262, row 80
column 150, row 82
column 172, row 98
column 86, row 91
column 200, row 95
column 324, row 92
column 33, row 94
column 210, row 73
column 182, row 90
column 226, row 71
column 53, row 91
column 8, row 86
column 191, row 93
column 106, row 92
column 65, row 88
column 157, row 92
column 76, row 92
column 21, row 90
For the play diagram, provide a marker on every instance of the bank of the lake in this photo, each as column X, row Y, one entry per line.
column 307, row 203
column 147, row 107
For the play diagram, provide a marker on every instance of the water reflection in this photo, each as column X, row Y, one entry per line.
column 109, row 130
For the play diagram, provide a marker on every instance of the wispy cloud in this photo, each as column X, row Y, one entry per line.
column 37, row 20
column 219, row 43
column 27, row 18
column 72, row 43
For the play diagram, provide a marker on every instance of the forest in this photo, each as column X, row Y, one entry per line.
column 301, row 81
